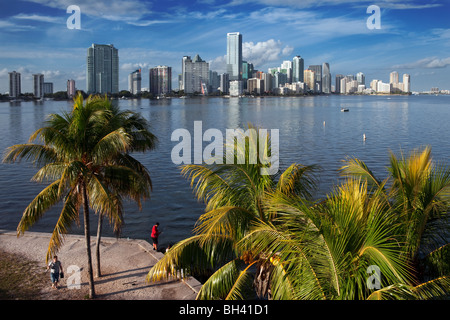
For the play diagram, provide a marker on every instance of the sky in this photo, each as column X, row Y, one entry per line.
column 413, row 38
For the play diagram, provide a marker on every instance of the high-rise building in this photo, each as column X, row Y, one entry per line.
column 234, row 55
column 71, row 88
column 393, row 77
column 214, row 81
column 102, row 69
column 297, row 69
column 236, row 88
column 255, row 86
column 309, row 77
column 361, row 78
column 286, row 67
column 38, row 85
column 195, row 74
column 326, row 78
column 406, row 83
column 317, row 77
column 337, row 88
column 48, row 88
column 224, row 83
column 135, row 82
column 160, row 80
column 279, row 80
column 14, row 84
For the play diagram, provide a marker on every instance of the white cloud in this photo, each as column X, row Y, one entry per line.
column 37, row 17
column 115, row 10
column 264, row 52
column 133, row 66
column 426, row 63
column 391, row 4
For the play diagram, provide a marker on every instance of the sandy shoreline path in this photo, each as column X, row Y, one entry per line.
column 125, row 264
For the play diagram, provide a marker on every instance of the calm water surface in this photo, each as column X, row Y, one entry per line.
column 312, row 131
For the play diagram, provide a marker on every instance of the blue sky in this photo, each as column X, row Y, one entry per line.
column 414, row 37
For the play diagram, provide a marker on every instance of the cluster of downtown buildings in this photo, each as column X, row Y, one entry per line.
column 102, row 76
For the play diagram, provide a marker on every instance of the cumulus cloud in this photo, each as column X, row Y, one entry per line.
column 264, row 52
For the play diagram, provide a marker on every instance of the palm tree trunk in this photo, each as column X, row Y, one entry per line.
column 87, row 235
column 97, row 246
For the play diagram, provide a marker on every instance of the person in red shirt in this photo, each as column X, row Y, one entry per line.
column 155, row 235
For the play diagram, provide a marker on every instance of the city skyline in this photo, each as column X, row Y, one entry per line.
column 413, row 39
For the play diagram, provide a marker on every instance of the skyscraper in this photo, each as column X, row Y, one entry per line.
column 297, row 69
column 317, row 77
column 224, row 83
column 195, row 74
column 309, row 77
column 326, row 78
column 102, row 69
column 38, row 85
column 134, row 82
column 286, row 67
column 234, row 55
column 48, row 88
column 337, row 88
column 406, row 83
column 14, row 84
column 160, row 79
column 70, row 88
column 361, row 78
column 393, row 77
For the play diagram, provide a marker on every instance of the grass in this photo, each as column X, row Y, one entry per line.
column 20, row 278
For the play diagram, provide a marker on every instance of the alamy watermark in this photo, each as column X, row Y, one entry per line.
column 374, row 21
column 374, row 280
column 74, row 21
column 240, row 146
column 74, row 280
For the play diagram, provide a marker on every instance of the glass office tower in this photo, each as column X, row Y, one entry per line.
column 234, row 55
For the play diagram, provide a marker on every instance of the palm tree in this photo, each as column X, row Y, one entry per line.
column 234, row 194
column 418, row 192
column 141, row 140
column 86, row 164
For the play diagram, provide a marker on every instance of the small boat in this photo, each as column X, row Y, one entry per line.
column 344, row 110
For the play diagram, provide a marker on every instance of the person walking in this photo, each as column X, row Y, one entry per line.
column 56, row 270
column 155, row 234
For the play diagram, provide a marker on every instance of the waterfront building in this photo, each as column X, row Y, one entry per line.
column 135, row 82
column 317, row 77
column 326, row 78
column 102, row 69
column 71, row 88
column 14, row 84
column 236, row 88
column 38, row 85
column 195, row 74
column 160, row 80
column 48, row 88
column 297, row 69
column 234, row 55
column 224, row 83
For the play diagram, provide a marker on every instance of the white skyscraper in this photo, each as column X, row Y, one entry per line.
column 134, row 82
column 406, row 83
column 102, row 69
column 234, row 55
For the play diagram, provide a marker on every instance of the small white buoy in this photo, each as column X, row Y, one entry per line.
column 324, row 123
column 364, row 136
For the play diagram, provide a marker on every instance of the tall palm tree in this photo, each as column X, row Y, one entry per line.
column 142, row 140
column 234, row 194
column 86, row 165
